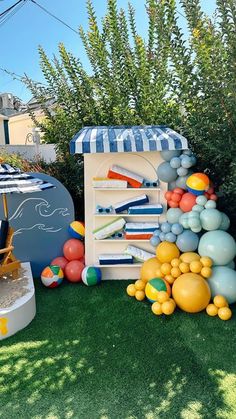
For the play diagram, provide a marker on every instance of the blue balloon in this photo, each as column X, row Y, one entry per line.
column 173, row 215
column 201, row 200
column 187, row 241
column 154, row 240
column 186, row 162
column 175, row 162
column 187, row 152
column 165, row 227
column 225, row 223
column 170, row 237
column 219, row 245
column 181, row 181
column 181, row 171
column 166, row 173
column 177, row 229
column 193, row 160
column 171, row 185
column 162, row 236
column 167, row 155
column 157, row 232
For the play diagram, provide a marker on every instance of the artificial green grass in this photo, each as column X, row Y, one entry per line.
column 97, row 353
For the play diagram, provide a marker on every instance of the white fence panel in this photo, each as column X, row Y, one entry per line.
column 32, row 152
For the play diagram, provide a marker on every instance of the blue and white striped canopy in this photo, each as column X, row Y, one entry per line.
column 126, row 139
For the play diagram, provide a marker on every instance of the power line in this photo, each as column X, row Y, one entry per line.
column 5, row 17
column 10, row 8
column 55, row 17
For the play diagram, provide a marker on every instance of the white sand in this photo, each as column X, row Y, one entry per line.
column 12, row 289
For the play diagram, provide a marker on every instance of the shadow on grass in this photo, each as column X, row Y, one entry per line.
column 96, row 353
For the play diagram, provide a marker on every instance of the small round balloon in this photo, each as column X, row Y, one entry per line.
column 166, row 173
column 73, row 249
column 73, row 270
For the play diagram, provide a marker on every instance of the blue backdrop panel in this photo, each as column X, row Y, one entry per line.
column 40, row 221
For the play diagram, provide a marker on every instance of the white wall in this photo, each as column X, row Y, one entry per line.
column 30, row 152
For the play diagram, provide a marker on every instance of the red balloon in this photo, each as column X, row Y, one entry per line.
column 187, row 202
column 82, row 260
column 176, row 197
column 73, row 249
column 168, row 195
column 213, row 197
column 60, row 261
column 173, row 204
column 73, row 270
column 179, row 191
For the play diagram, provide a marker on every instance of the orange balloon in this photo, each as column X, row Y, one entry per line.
column 149, row 269
column 191, row 292
column 167, row 251
column 187, row 202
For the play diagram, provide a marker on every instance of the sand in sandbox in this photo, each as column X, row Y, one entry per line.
column 12, row 289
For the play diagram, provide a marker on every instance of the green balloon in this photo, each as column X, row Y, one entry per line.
column 210, row 219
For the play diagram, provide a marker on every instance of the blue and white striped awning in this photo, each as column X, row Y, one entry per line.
column 126, row 139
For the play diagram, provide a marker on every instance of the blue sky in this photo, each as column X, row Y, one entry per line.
column 30, row 27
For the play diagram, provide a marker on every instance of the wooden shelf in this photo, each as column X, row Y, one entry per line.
column 127, row 189
column 121, row 214
column 124, row 265
column 122, row 240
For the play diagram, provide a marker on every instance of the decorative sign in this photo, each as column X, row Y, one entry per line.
column 40, row 221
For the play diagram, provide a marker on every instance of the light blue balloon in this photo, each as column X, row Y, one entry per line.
column 185, row 223
column 177, row 228
column 167, row 155
column 210, row 204
column 230, row 265
column 173, row 215
column 186, row 162
column 154, row 240
column 201, row 200
column 175, row 162
column 193, row 214
column 198, row 208
column 166, row 173
column 187, row 152
column 210, row 219
column 196, row 229
column 187, row 241
column 181, row 171
column 181, row 181
column 170, row 237
column 219, row 245
column 162, row 236
column 223, row 282
column 166, row 227
column 157, row 232
column 194, row 160
column 171, row 185
column 225, row 223
column 194, row 223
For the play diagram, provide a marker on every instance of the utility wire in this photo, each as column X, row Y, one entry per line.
column 12, row 12
column 9, row 8
column 55, row 17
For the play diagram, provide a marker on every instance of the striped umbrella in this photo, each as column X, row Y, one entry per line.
column 13, row 180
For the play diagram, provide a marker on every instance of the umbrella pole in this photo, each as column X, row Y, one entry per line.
column 5, row 207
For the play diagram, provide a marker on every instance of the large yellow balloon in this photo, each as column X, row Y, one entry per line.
column 149, row 269
column 167, row 251
column 191, row 292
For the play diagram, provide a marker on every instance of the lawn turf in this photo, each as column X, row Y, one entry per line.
column 94, row 352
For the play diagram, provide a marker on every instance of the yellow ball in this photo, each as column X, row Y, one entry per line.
column 173, row 301
column 220, row 301
column 189, row 257
column 206, row 272
column 156, row 308
column 206, row 261
column 140, row 295
column 175, row 272
column 139, row 285
column 184, row 267
column 191, row 292
column 162, row 296
column 169, row 279
column 166, row 268
column 167, row 251
column 212, row 310
column 159, row 273
column 195, row 266
column 168, row 307
column 131, row 290
column 175, row 262
column 224, row 313
column 148, row 269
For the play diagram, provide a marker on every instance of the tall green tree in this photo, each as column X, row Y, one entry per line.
column 188, row 83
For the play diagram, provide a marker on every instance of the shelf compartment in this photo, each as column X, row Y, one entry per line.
column 125, row 215
column 124, row 265
column 122, row 240
column 127, row 189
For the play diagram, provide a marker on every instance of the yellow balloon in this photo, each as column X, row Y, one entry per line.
column 195, row 266
column 156, row 308
column 191, row 292
column 206, row 272
column 175, row 262
column 168, row 307
column 170, row 279
column 184, row 267
column 224, row 313
column 212, row 310
column 175, row 272
column 189, row 257
column 206, row 261
column 149, row 268
column 162, row 296
column 166, row 268
column 173, row 301
column 139, row 285
column 159, row 273
column 167, row 251
column 140, row 295
column 131, row 290
column 220, row 301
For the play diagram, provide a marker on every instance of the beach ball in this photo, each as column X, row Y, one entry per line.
column 73, row 249
column 187, row 241
column 73, row 270
column 154, row 286
column 191, row 292
column 167, row 251
column 223, row 282
column 91, row 275
column 219, row 245
column 52, row 276
column 198, row 183
column 187, row 202
column 149, row 269
column 60, row 261
column 77, row 230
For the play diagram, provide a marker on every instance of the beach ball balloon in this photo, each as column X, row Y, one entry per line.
column 77, row 230
column 91, row 275
column 154, row 286
column 223, row 282
column 198, row 183
column 52, row 276
column 191, row 292
column 219, row 245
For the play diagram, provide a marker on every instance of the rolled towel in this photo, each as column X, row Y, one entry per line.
column 124, row 205
column 117, row 172
column 105, row 182
column 141, row 227
column 108, row 229
column 138, row 236
column 115, row 259
column 138, row 254
column 146, row 209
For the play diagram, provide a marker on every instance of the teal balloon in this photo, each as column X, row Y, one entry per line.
column 223, row 282
column 194, row 222
column 181, row 171
column 210, row 219
column 186, row 162
column 201, row 200
column 165, row 227
column 167, row 155
column 225, row 223
column 175, row 162
column 171, row 185
column 231, row 265
column 173, row 215
column 218, row 245
column 187, row 241
column 198, row 208
column 210, row 204
column 181, row 181
column 166, row 173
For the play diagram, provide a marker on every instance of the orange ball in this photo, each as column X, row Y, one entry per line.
column 156, row 308
column 206, row 272
column 168, row 308
column 173, row 301
column 191, row 292
column 184, row 267
column 212, row 310
column 220, row 301
column 175, row 262
column 206, row 261
column 166, row 268
column 176, row 197
column 224, row 313
column 140, row 295
column 162, row 296
column 139, row 285
column 131, row 290
column 168, row 195
column 170, row 279
column 173, row 204
column 176, row 272
column 149, row 269
column 187, row 202
column 195, row 266
column 167, row 251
